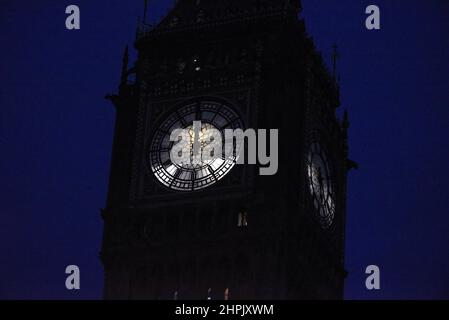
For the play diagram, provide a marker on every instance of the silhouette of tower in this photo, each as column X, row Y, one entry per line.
column 223, row 231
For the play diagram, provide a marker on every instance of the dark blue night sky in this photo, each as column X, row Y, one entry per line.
column 56, row 136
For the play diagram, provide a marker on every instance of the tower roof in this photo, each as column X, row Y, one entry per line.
column 188, row 12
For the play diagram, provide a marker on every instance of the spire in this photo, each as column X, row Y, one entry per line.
column 145, row 10
column 143, row 26
column 335, row 57
column 125, row 65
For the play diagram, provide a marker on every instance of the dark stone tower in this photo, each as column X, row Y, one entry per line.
column 241, row 235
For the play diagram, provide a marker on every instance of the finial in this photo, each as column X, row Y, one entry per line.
column 145, row 10
column 125, row 64
column 335, row 56
column 145, row 20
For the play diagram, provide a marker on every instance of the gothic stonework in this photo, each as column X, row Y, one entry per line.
column 247, row 236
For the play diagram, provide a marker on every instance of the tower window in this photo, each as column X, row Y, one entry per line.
column 181, row 66
column 242, row 221
column 243, row 55
column 226, row 294
column 227, row 59
column 209, row 294
column 200, row 16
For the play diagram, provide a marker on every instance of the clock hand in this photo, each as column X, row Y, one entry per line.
column 196, row 137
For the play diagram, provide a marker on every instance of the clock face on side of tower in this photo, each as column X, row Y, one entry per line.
column 201, row 172
column 320, row 184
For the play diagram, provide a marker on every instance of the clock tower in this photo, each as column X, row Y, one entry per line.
column 218, row 229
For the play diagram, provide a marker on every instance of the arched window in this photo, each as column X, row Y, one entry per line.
column 242, row 221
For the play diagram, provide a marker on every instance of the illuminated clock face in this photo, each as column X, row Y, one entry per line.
column 212, row 117
column 321, row 185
